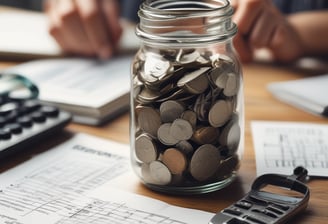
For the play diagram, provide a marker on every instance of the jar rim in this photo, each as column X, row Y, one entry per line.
column 182, row 18
column 159, row 8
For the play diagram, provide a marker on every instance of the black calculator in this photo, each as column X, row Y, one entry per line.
column 268, row 207
column 24, row 120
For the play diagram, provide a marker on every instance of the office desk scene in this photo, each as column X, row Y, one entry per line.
column 82, row 173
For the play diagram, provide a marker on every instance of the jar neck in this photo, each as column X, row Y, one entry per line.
column 185, row 21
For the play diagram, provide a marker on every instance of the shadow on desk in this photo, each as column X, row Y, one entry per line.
column 212, row 202
column 309, row 66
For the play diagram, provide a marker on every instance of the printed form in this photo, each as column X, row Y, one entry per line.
column 68, row 184
column 282, row 146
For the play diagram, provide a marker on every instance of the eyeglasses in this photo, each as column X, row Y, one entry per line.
column 17, row 87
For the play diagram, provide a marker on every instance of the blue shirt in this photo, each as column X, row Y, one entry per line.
column 129, row 8
column 294, row 6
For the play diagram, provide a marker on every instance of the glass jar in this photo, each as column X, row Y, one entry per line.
column 187, row 109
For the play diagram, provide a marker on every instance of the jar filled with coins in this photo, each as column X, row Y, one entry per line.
column 187, row 110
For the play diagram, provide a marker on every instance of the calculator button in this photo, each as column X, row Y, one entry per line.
column 38, row 117
column 237, row 221
column 50, row 111
column 243, row 204
column 255, row 220
column 4, row 134
column 274, row 210
column 7, row 108
column 12, row 116
column 31, row 105
column 282, row 207
column 236, row 212
column 3, row 121
column 25, row 121
column 14, row 128
column 265, row 212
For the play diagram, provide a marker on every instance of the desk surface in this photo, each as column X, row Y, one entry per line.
column 259, row 105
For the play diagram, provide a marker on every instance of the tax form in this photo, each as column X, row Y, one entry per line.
column 282, row 146
column 65, row 185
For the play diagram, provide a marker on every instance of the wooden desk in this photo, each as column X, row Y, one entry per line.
column 259, row 105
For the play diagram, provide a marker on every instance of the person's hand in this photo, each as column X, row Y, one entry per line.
column 262, row 25
column 85, row 27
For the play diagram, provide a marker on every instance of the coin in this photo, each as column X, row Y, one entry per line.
column 164, row 135
column 220, row 113
column 145, row 148
column 185, row 147
column 230, row 136
column 175, row 160
column 227, row 166
column 195, row 82
column 204, row 162
column 155, row 66
column 145, row 174
column 206, row 135
column 147, row 78
column 218, row 77
column 188, row 58
column 149, row 120
column 170, row 110
column 221, row 60
column 160, row 173
column 147, row 95
column 191, row 117
column 176, row 95
column 232, row 85
column 181, row 129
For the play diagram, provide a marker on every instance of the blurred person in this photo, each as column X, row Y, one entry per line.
column 89, row 27
column 290, row 29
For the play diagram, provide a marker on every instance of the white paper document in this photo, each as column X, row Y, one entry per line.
column 128, row 208
column 309, row 94
column 69, row 184
column 282, row 146
column 51, row 186
column 92, row 90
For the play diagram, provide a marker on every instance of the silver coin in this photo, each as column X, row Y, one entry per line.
column 170, row 110
column 149, row 120
column 181, row 129
column 164, row 135
column 189, row 58
column 205, row 162
column 176, row 95
column 219, row 77
column 219, row 59
column 232, row 85
column 145, row 174
column 231, row 135
column 195, row 82
column 155, row 66
column 191, row 117
column 145, row 148
column 147, row 95
column 147, row 78
column 160, row 174
column 220, row 113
